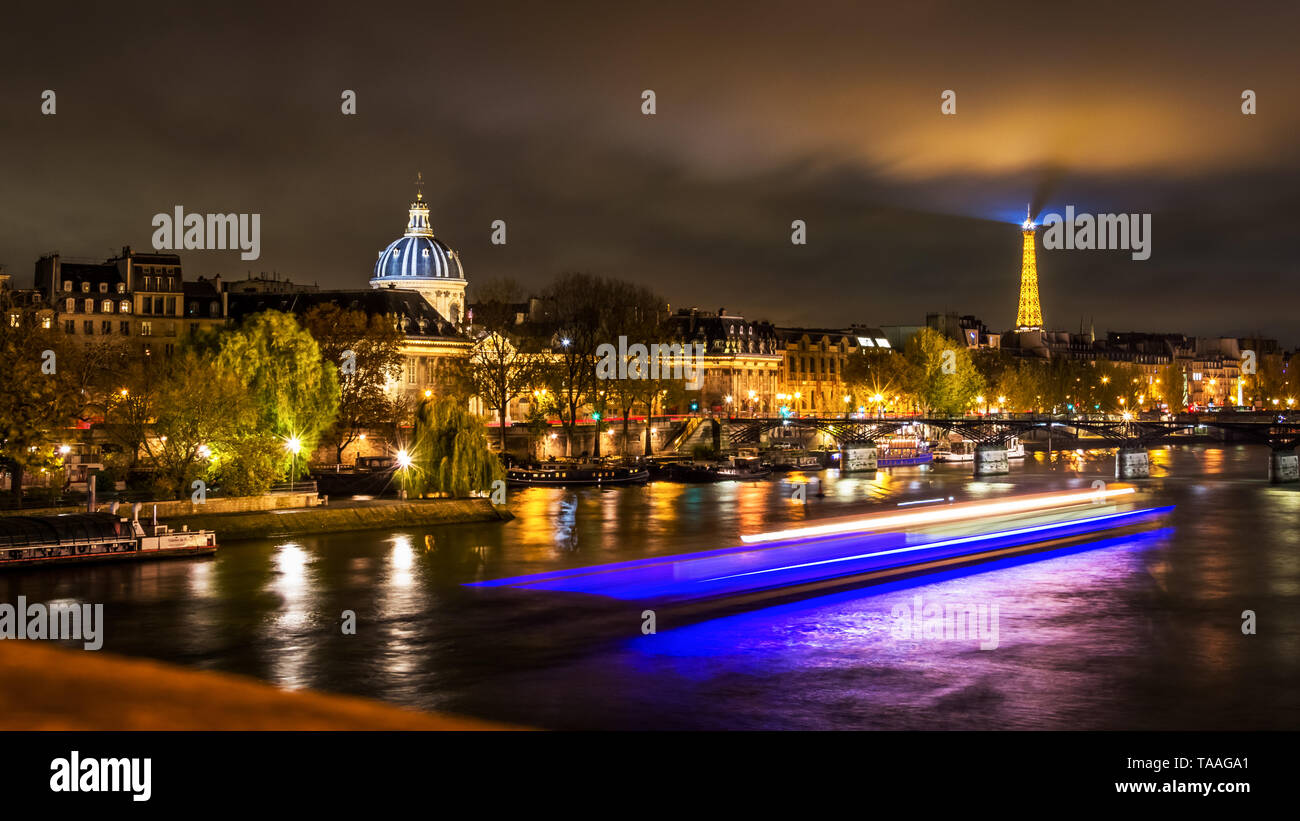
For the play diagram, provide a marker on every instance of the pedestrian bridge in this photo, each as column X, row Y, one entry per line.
column 1130, row 435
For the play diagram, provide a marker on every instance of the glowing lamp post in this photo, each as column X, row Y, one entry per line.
column 293, row 446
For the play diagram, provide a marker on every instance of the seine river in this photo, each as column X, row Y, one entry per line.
column 1142, row 632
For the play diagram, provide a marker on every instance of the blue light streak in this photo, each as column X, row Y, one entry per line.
column 737, row 570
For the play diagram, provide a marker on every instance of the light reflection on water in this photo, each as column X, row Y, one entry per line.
column 1143, row 633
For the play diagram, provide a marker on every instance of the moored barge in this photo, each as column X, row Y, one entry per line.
column 564, row 475
column 27, row 541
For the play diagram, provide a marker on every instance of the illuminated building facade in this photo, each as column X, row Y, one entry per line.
column 812, row 370
column 139, row 298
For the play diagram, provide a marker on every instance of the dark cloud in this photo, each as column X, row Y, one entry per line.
column 768, row 113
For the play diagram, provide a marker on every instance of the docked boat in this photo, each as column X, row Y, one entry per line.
column 901, row 451
column 564, row 475
column 789, row 463
column 738, row 469
column 963, row 450
column 87, row 537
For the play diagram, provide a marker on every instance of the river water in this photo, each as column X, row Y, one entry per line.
column 1139, row 632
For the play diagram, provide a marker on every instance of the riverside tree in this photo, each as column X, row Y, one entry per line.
column 202, row 417
column 449, row 455
column 947, row 381
column 367, row 352
column 499, row 368
column 295, row 392
column 38, row 397
column 571, row 374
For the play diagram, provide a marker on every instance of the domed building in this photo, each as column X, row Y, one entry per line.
column 419, row 261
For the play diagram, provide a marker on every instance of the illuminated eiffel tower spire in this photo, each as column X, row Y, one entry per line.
column 1029, row 316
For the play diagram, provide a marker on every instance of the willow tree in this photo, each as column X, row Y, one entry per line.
column 450, row 453
column 295, row 392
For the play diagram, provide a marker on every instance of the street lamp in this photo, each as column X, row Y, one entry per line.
column 293, row 446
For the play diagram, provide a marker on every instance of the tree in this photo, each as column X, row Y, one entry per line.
column 248, row 464
column 39, row 394
column 637, row 314
column 947, row 382
column 449, row 454
column 295, row 392
column 571, row 372
column 201, row 412
column 498, row 369
column 874, row 372
column 367, row 350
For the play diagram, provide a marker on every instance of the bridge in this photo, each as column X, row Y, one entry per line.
column 1131, row 436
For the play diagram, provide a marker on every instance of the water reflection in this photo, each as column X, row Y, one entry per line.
column 1141, row 634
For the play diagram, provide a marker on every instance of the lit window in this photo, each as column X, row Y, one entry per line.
column 884, row 343
column 865, row 342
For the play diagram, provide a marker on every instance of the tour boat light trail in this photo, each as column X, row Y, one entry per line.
column 965, row 510
column 729, row 572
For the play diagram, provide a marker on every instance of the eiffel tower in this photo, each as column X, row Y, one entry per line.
column 1029, row 316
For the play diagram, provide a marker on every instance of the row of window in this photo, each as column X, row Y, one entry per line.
column 85, row 287
column 803, row 364
column 150, row 284
column 160, row 306
column 123, row 328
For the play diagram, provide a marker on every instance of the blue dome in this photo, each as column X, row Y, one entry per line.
column 418, row 256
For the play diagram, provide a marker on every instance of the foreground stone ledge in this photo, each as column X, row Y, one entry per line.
column 46, row 687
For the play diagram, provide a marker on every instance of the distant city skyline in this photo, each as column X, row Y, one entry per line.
column 832, row 117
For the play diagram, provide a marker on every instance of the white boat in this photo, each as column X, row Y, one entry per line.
column 963, row 450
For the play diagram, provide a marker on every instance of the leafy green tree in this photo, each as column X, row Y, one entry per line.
column 449, row 455
column 39, row 397
column 248, row 464
column 874, row 372
column 295, row 391
column 933, row 355
column 200, row 412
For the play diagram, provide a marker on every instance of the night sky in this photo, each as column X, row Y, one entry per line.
column 825, row 112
